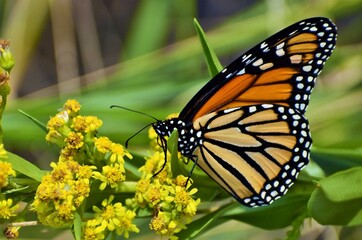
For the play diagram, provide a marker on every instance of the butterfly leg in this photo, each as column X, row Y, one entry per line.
column 163, row 145
column 194, row 159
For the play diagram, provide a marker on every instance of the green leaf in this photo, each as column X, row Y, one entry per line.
column 77, row 224
column 297, row 224
column 334, row 160
column 279, row 214
column 36, row 121
column 177, row 166
column 327, row 212
column 213, row 62
column 343, row 186
column 25, row 167
column 201, row 225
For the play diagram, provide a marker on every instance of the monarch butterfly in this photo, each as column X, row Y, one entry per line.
column 245, row 128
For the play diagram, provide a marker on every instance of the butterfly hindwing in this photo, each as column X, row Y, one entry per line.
column 254, row 152
column 280, row 70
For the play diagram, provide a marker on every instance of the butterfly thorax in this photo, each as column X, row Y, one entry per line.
column 188, row 139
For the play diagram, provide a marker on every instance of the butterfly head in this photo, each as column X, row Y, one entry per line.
column 166, row 127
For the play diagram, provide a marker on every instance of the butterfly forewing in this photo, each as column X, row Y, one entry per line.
column 280, row 70
column 254, row 152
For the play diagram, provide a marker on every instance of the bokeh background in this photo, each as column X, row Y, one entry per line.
column 145, row 55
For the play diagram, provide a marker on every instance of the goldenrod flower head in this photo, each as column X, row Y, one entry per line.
column 72, row 107
column 3, row 152
column 154, row 163
column 6, row 170
column 118, row 152
column 103, row 144
column 61, row 192
column 183, row 200
column 7, row 209
column 93, row 123
column 172, row 115
column 11, row 232
column 79, row 124
column 172, row 201
column 90, row 232
column 74, row 140
column 58, row 121
column 111, row 175
column 84, row 160
column 113, row 151
column 114, row 217
column 164, row 224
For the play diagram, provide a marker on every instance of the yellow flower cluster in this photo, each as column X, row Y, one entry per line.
column 61, row 192
column 110, row 217
column 171, row 201
column 7, row 208
column 6, row 170
column 85, row 160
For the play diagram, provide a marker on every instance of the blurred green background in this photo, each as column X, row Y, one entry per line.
column 145, row 55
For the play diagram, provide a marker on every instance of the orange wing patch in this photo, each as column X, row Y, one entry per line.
column 270, row 87
column 226, row 94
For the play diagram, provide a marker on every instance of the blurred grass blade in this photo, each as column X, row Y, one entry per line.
column 36, row 121
column 334, row 160
column 213, row 62
column 23, row 166
column 201, row 225
column 149, row 28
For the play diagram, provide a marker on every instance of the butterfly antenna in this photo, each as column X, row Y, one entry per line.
column 126, row 143
column 139, row 112
column 135, row 111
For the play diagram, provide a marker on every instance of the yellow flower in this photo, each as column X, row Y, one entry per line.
column 81, row 190
column 11, row 232
column 154, row 163
column 74, row 140
column 118, row 152
column 93, row 123
column 7, row 209
column 114, row 217
column 61, row 192
column 6, row 170
column 71, row 106
column 79, row 124
column 67, row 154
column 90, row 232
column 111, row 175
column 66, row 208
column 54, row 136
column 85, row 172
column 57, row 122
column 103, row 144
column 86, row 124
column 163, row 223
column 3, row 153
column 171, row 200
